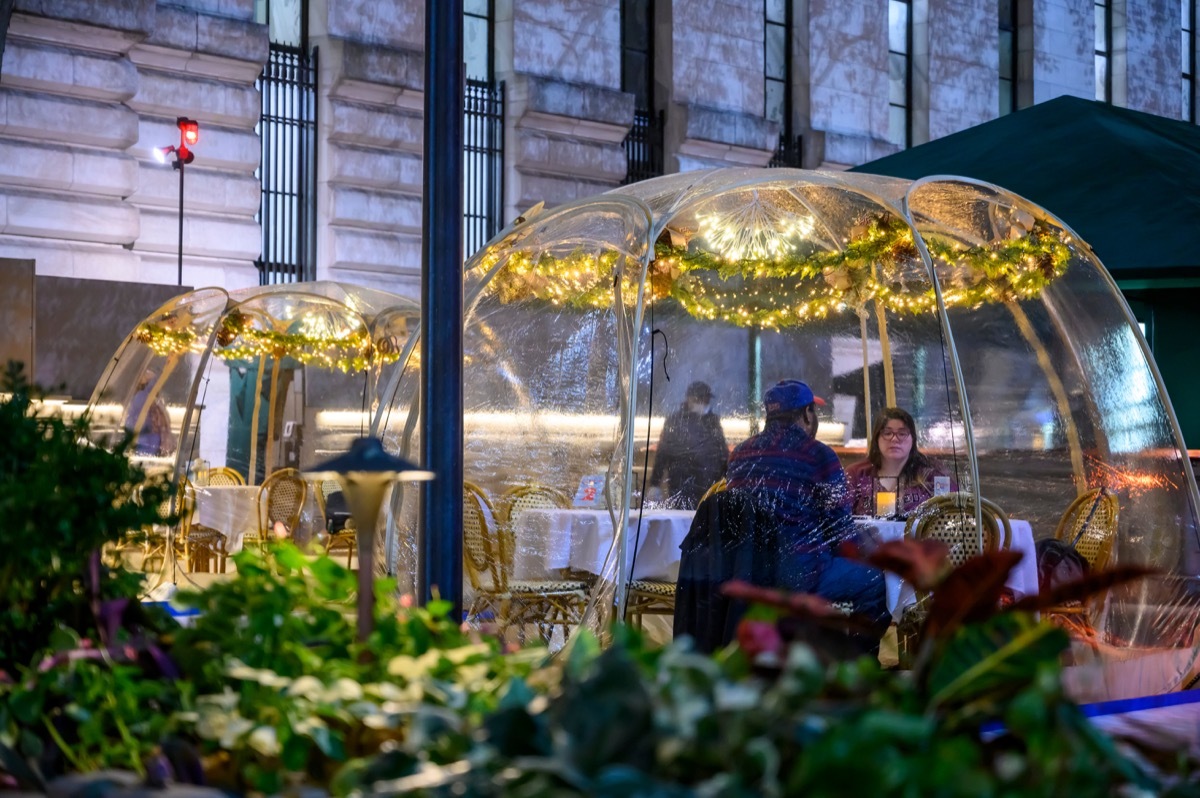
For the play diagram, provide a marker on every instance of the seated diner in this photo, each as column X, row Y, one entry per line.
column 895, row 467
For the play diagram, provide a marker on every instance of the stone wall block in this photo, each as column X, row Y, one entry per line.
column 378, row 210
column 372, row 168
column 576, row 41
column 555, row 155
column 373, row 126
column 204, row 234
column 718, row 55
column 375, row 251
column 387, row 66
column 231, row 9
column 205, row 189
column 740, row 130
column 59, row 258
column 580, row 101
column 91, row 76
column 208, row 101
column 133, row 16
column 219, row 147
column 69, row 216
column 61, row 119
column 556, row 189
column 1152, row 60
column 848, row 69
column 395, row 24
column 36, row 165
column 192, row 31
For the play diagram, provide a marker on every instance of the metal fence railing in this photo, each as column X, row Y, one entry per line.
column 288, row 171
column 787, row 153
column 483, row 163
column 644, row 146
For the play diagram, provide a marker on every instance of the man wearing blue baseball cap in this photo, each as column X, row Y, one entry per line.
column 786, row 469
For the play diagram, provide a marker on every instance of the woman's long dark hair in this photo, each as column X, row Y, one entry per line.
column 917, row 462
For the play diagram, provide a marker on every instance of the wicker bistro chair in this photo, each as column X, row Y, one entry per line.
column 200, row 548
column 1090, row 524
column 153, row 538
column 515, row 501
column 487, row 558
column 951, row 519
column 225, row 476
column 345, row 538
column 280, row 498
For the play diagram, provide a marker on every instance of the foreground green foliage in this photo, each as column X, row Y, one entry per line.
column 61, row 500
column 269, row 689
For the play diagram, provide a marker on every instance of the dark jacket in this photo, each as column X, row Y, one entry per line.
column 691, row 455
column 731, row 537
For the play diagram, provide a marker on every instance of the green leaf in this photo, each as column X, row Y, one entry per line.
column 1001, row 655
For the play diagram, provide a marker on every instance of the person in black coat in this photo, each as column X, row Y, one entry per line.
column 691, row 453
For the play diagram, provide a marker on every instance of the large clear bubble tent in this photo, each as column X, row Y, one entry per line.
column 981, row 314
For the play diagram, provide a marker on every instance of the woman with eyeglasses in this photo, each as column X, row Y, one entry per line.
column 894, row 465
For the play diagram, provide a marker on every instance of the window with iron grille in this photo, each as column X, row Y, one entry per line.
column 777, row 78
column 900, row 34
column 644, row 144
column 483, row 129
column 1187, row 45
column 1008, row 56
column 287, row 131
column 483, row 163
column 1104, row 25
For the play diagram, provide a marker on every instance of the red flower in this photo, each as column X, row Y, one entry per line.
column 759, row 637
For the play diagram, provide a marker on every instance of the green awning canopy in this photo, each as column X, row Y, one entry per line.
column 1127, row 182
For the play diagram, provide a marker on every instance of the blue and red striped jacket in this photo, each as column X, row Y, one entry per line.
column 799, row 477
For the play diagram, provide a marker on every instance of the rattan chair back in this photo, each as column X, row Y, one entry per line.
column 951, row 519
column 281, row 498
column 1090, row 525
column 224, row 476
column 481, row 550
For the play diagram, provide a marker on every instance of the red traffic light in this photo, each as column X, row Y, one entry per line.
column 189, row 130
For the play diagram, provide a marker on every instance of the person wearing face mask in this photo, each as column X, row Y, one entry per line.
column 895, row 465
column 691, row 451
column 800, row 482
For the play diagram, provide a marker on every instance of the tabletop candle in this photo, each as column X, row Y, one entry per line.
column 885, row 503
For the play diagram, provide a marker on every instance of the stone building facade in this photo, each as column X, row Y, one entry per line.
column 89, row 88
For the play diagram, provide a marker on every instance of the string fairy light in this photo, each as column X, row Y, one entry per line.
column 879, row 262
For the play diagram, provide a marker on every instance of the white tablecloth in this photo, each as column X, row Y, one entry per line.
column 547, row 540
column 551, row 539
column 1022, row 580
column 231, row 509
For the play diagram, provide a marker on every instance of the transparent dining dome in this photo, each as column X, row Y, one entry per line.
column 233, row 395
column 594, row 329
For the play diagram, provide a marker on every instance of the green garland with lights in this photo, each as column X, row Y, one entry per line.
column 880, row 262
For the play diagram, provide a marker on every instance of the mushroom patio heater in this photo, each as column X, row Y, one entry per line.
column 365, row 474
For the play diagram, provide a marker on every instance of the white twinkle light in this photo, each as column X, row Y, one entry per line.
column 754, row 230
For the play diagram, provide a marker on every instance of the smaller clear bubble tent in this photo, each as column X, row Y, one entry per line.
column 303, row 365
column 982, row 314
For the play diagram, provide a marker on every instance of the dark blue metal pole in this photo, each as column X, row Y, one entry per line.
column 440, row 545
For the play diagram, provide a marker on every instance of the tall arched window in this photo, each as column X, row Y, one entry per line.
column 900, row 36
